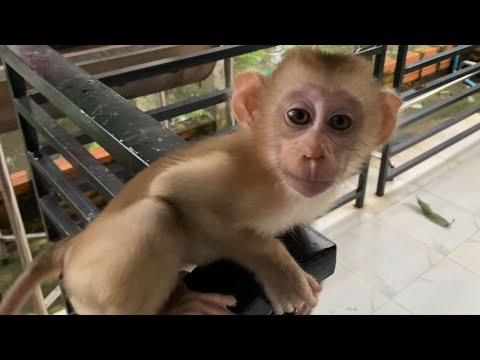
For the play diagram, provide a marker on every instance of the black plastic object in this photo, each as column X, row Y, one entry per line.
column 314, row 253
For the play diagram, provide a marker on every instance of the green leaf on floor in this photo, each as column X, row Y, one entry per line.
column 433, row 216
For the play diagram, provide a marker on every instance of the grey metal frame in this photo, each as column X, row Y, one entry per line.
column 386, row 172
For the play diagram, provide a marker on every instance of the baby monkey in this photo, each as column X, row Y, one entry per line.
column 306, row 127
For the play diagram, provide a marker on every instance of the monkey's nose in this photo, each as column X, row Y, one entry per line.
column 317, row 156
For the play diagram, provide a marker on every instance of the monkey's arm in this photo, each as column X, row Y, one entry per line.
column 315, row 253
column 287, row 285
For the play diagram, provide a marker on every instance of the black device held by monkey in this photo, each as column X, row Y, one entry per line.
column 314, row 253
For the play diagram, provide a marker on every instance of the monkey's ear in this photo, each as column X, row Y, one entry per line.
column 245, row 98
column 391, row 104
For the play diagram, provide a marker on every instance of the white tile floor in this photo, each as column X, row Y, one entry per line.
column 391, row 259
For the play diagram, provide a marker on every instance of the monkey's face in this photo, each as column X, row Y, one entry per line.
column 318, row 134
column 317, row 117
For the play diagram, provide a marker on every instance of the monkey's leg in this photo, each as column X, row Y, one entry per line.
column 287, row 285
column 129, row 261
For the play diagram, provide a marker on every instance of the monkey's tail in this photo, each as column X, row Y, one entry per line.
column 46, row 265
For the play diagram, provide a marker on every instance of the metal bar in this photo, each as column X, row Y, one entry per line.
column 111, row 78
column 141, row 71
column 18, row 88
column 397, row 84
column 83, row 139
column 113, row 122
column 374, row 50
column 108, row 184
column 383, row 171
column 438, row 89
column 30, row 236
column 189, row 105
column 344, row 199
column 85, row 186
column 437, row 58
column 30, row 139
column 228, row 69
column 52, row 296
column 3, row 254
column 72, row 195
column 379, row 64
column 397, row 148
column 400, row 67
column 18, row 228
column 378, row 72
column 438, row 106
column 59, row 218
column 43, row 189
column 407, row 95
column 362, row 184
column 433, row 151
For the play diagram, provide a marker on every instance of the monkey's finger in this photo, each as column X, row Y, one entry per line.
column 311, row 300
column 277, row 307
column 289, row 308
column 316, row 288
column 304, row 310
column 214, row 298
column 309, row 311
column 198, row 304
column 216, row 310
column 201, row 307
column 314, row 284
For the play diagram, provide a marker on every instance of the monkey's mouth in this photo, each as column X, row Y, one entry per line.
column 306, row 187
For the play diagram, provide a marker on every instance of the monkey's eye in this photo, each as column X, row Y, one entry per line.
column 340, row 122
column 298, row 116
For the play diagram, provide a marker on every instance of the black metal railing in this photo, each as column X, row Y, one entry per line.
column 393, row 148
column 133, row 138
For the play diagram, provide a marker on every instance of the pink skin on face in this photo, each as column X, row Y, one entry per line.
column 314, row 152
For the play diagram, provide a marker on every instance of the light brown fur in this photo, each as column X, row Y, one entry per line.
column 225, row 196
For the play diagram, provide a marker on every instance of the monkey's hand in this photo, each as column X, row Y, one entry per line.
column 288, row 287
column 317, row 289
column 186, row 302
column 291, row 290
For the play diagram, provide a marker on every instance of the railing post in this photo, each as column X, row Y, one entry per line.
column 362, row 184
column 397, row 85
column 228, row 66
column 17, row 87
column 18, row 228
column 378, row 68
